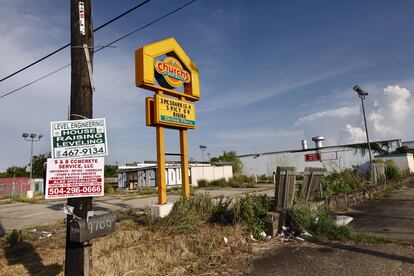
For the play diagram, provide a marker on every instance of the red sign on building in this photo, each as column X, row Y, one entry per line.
column 310, row 157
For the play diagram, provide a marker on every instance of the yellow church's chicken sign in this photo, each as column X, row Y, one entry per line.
column 164, row 68
column 170, row 73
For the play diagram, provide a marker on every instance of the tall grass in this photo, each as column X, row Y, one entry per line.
column 341, row 182
column 187, row 215
column 321, row 224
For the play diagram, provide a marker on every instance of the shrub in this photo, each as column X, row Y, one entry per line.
column 218, row 183
column 252, row 210
column 224, row 212
column 202, row 183
column 392, row 170
column 203, row 204
column 342, row 182
column 14, row 238
column 183, row 219
column 241, row 179
column 108, row 189
column 186, row 215
column 265, row 179
column 319, row 223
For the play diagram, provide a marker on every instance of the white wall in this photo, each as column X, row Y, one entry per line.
column 210, row 173
column 338, row 158
column 402, row 161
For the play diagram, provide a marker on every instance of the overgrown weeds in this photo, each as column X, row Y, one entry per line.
column 14, row 237
column 341, row 182
column 322, row 225
column 108, row 189
column 187, row 215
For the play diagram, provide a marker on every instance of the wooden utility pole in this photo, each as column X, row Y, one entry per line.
column 77, row 258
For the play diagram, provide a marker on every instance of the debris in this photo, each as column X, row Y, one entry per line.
column 306, row 234
column 343, row 220
column 263, row 235
column 300, row 239
column 34, row 230
column 48, row 235
column 226, row 240
column 252, row 238
column 290, row 234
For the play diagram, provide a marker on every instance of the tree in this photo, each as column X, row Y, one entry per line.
column 38, row 161
column 229, row 157
column 15, row 171
column 110, row 170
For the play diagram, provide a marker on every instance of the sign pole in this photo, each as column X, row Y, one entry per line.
column 162, row 189
column 184, row 162
column 77, row 257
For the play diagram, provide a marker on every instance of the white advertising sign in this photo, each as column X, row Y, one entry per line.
column 82, row 28
column 78, row 138
column 80, row 177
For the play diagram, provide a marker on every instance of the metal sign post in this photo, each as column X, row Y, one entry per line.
column 162, row 187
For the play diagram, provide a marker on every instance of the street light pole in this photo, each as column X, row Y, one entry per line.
column 203, row 148
column 362, row 94
column 32, row 138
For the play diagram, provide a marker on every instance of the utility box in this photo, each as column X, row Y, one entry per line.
column 97, row 226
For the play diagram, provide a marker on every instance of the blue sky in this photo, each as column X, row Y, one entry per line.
column 272, row 73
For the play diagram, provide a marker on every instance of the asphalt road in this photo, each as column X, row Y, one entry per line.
column 24, row 215
column 391, row 216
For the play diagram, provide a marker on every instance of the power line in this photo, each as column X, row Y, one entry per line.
column 67, row 45
column 101, row 48
column 147, row 25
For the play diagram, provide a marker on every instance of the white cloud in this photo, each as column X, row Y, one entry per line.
column 351, row 135
column 332, row 113
column 388, row 117
column 391, row 113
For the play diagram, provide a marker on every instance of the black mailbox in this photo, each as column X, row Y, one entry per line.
column 97, row 226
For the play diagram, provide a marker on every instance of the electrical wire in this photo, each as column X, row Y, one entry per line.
column 102, row 47
column 67, row 45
